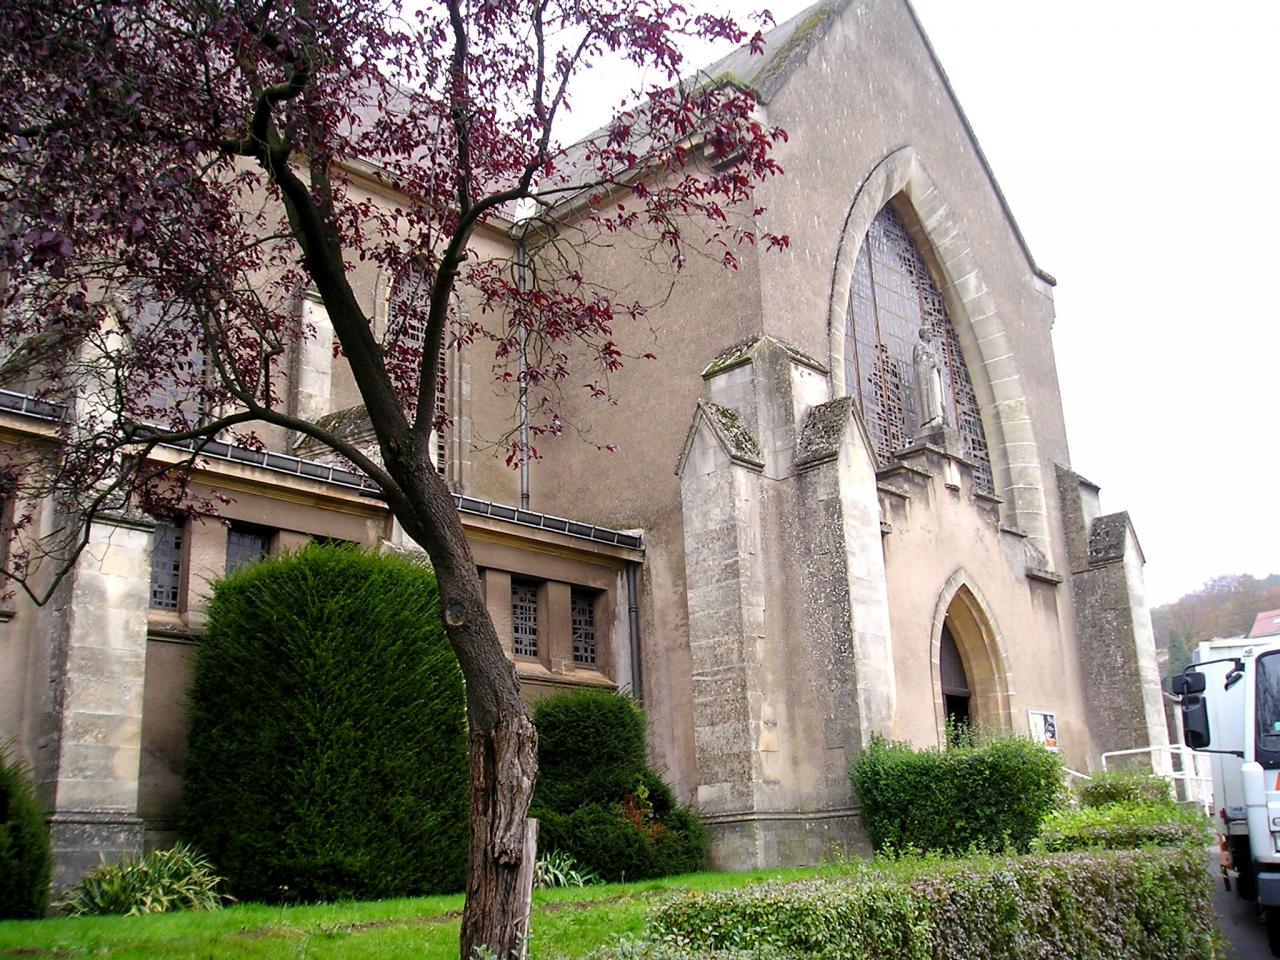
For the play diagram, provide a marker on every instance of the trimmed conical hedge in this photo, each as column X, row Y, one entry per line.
column 25, row 861
column 328, row 756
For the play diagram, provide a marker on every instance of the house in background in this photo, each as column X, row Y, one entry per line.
column 848, row 510
column 1266, row 624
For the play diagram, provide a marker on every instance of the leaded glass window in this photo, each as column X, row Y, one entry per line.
column 409, row 303
column 524, row 618
column 166, row 565
column 245, row 545
column 583, row 611
column 175, row 394
column 893, row 295
column 407, row 311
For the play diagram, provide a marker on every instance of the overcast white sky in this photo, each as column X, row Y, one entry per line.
column 1136, row 142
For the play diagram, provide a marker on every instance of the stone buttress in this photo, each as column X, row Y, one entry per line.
column 788, row 609
column 1112, row 624
column 88, row 759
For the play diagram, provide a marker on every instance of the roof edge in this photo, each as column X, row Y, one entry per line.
column 982, row 157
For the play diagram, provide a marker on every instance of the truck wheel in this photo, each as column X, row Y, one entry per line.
column 1272, row 917
column 1247, row 881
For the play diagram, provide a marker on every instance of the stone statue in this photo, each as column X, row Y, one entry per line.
column 928, row 382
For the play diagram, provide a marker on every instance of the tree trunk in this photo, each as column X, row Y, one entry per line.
column 504, row 744
column 503, row 767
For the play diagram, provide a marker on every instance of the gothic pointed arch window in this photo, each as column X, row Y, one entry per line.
column 408, row 304
column 893, row 296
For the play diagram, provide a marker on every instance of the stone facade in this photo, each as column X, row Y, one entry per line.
column 799, row 584
column 787, row 592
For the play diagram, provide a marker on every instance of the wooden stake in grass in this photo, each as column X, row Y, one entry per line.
column 525, row 886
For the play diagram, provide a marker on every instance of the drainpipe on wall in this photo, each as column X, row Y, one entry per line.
column 522, row 284
column 633, row 628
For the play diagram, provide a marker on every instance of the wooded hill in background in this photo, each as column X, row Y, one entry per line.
column 1223, row 607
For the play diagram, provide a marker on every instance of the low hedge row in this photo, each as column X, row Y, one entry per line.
column 986, row 796
column 1125, row 786
column 1122, row 826
column 1130, row 905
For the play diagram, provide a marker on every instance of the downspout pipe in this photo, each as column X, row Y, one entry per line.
column 522, row 284
column 633, row 629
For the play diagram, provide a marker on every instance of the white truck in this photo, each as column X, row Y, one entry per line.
column 1230, row 699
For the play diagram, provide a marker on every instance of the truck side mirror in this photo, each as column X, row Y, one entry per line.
column 1183, row 684
column 1235, row 676
column 1195, row 719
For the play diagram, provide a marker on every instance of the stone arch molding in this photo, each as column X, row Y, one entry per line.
column 980, row 327
column 982, row 648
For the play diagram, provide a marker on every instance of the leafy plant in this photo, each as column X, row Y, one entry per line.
column 1123, row 826
column 165, row 880
column 591, row 748
column 557, row 869
column 25, row 860
column 328, row 750
column 1130, row 786
column 987, row 796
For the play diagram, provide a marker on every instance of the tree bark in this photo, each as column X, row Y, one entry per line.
column 503, row 764
column 503, row 741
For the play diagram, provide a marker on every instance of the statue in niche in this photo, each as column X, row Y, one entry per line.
column 928, row 383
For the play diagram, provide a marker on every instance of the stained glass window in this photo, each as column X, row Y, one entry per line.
column 893, row 295
column 584, row 628
column 166, row 565
column 524, row 618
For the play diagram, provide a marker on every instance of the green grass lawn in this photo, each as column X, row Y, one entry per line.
column 564, row 923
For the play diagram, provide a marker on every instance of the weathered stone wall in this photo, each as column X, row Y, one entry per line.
column 788, row 616
column 98, row 627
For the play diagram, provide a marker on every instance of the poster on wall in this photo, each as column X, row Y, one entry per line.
column 1044, row 728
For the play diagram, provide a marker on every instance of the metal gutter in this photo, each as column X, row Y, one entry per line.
column 290, row 465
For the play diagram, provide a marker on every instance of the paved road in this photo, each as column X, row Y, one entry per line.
column 1240, row 922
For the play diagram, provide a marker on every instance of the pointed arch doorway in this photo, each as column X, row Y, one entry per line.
column 956, row 695
column 970, row 671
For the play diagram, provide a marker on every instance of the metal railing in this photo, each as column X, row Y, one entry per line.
column 1191, row 770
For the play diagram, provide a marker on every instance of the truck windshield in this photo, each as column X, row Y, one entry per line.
column 1269, row 701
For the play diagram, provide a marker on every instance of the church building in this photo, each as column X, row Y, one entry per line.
column 842, row 506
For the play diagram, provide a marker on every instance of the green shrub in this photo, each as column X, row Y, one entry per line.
column 163, row 881
column 1123, row 826
column 25, row 861
column 590, row 749
column 1130, row 787
column 328, row 752
column 1135, row 905
column 639, row 948
column 987, row 796
column 597, row 802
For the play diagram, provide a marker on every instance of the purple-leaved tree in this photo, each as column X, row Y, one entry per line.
column 174, row 173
